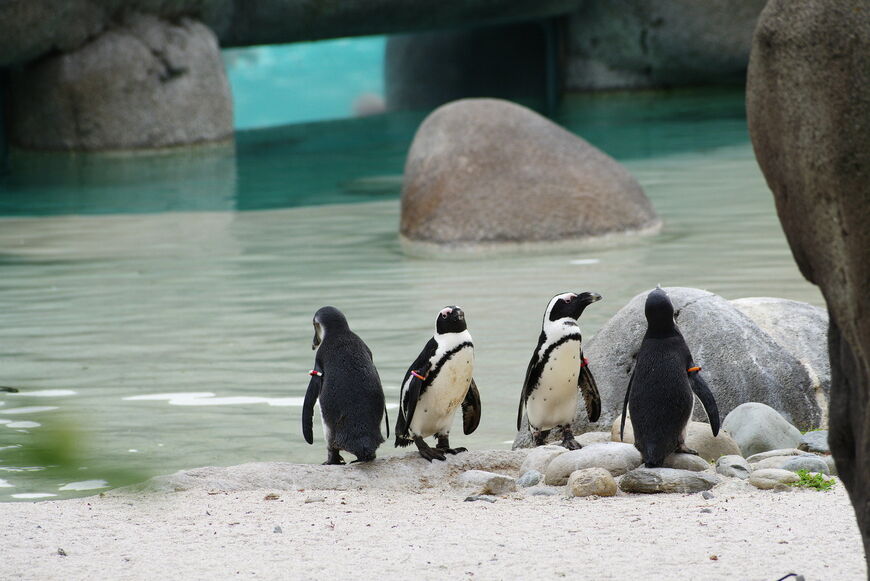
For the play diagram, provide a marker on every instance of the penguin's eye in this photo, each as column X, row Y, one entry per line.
column 443, row 315
column 568, row 299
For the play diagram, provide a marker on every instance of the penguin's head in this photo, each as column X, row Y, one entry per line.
column 326, row 319
column 450, row 320
column 659, row 310
column 570, row 305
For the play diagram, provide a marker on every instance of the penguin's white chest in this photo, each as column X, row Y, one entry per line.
column 554, row 402
column 435, row 410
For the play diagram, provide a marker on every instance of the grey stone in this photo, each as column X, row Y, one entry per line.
column 808, row 110
column 146, row 83
column 483, row 497
column 769, row 478
column 614, row 457
column 543, row 491
column 707, row 495
column 816, row 441
column 810, row 463
column 277, row 529
column 772, row 462
column 651, row 480
column 488, row 482
column 539, row 458
column 740, row 363
column 832, row 465
column 591, row 482
column 476, row 166
column 648, row 43
column 686, row 462
column 530, row 478
column 408, row 472
column 774, row 453
column 758, row 428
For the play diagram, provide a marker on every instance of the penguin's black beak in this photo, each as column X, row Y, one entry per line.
column 583, row 300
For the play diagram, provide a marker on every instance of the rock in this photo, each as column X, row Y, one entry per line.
column 707, row 495
column 699, row 438
column 277, row 529
column 771, row 462
column 733, row 466
column 591, row 482
column 807, row 108
column 530, row 478
column 832, row 465
column 539, row 458
column 614, row 457
column 759, row 428
column 810, row 463
column 740, row 361
column 646, row 43
column 483, row 497
column 146, row 83
column 593, row 438
column 755, row 458
column 650, row 480
column 769, row 478
column 488, row 482
column 543, row 491
column 802, row 330
column 476, row 166
column 688, row 462
column 816, row 441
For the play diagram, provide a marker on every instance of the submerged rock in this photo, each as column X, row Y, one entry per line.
column 591, row 482
column 652, row 480
column 614, row 457
column 478, row 168
column 758, row 428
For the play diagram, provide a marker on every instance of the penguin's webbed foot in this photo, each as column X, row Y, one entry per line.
column 568, row 440
column 540, row 437
column 427, row 452
column 683, row 449
column 333, row 458
column 364, row 459
column 444, row 446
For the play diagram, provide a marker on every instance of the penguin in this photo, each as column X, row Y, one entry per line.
column 659, row 395
column 557, row 371
column 438, row 380
column 345, row 382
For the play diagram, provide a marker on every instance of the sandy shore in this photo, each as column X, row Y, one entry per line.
column 431, row 533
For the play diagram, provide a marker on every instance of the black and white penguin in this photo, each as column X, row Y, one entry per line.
column 659, row 395
column 558, row 371
column 438, row 381
column 345, row 382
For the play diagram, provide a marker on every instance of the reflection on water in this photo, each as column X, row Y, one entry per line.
column 180, row 339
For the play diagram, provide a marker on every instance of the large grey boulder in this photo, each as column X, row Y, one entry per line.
column 478, row 167
column 759, row 428
column 614, row 457
column 739, row 360
column 643, row 43
column 653, row 480
column 808, row 107
column 147, row 83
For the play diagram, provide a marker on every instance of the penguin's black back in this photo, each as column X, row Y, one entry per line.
column 351, row 399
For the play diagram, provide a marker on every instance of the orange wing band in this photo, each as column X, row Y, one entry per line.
column 691, row 369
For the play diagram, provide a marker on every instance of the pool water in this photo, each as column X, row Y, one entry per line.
column 158, row 308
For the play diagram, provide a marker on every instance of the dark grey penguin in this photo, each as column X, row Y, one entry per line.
column 558, row 370
column 345, row 382
column 659, row 395
column 439, row 379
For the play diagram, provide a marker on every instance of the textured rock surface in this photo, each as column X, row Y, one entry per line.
column 769, row 478
column 147, row 83
column 740, row 361
column 733, row 466
column 410, row 472
column 591, row 482
column 477, row 167
column 774, row 462
column 686, row 462
column 539, row 458
column 816, row 441
column 614, row 457
column 754, row 458
column 651, row 480
column 530, row 478
column 809, row 462
column 487, row 482
column 594, row 438
column 808, row 107
column 759, row 428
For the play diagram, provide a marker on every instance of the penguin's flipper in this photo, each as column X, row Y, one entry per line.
column 308, row 404
column 527, row 388
column 702, row 390
column 387, row 420
column 625, row 407
column 471, row 409
column 415, row 388
column 587, row 386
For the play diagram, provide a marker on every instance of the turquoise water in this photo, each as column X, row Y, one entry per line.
column 159, row 307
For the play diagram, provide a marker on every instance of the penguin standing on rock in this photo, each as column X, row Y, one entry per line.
column 558, row 371
column 659, row 395
column 345, row 382
column 438, row 381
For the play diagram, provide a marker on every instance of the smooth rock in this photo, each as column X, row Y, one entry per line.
column 832, row 465
column 476, row 166
column 755, row 458
column 686, row 462
column 143, row 83
column 651, row 480
column 810, row 463
column 539, row 458
column 759, row 428
column 543, row 491
column 483, row 497
column 530, row 478
column 733, row 466
column 488, row 482
column 699, row 437
column 591, row 482
column 614, row 457
column 771, row 462
column 769, row 478
column 593, row 438
column 707, row 495
column 815, row 441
